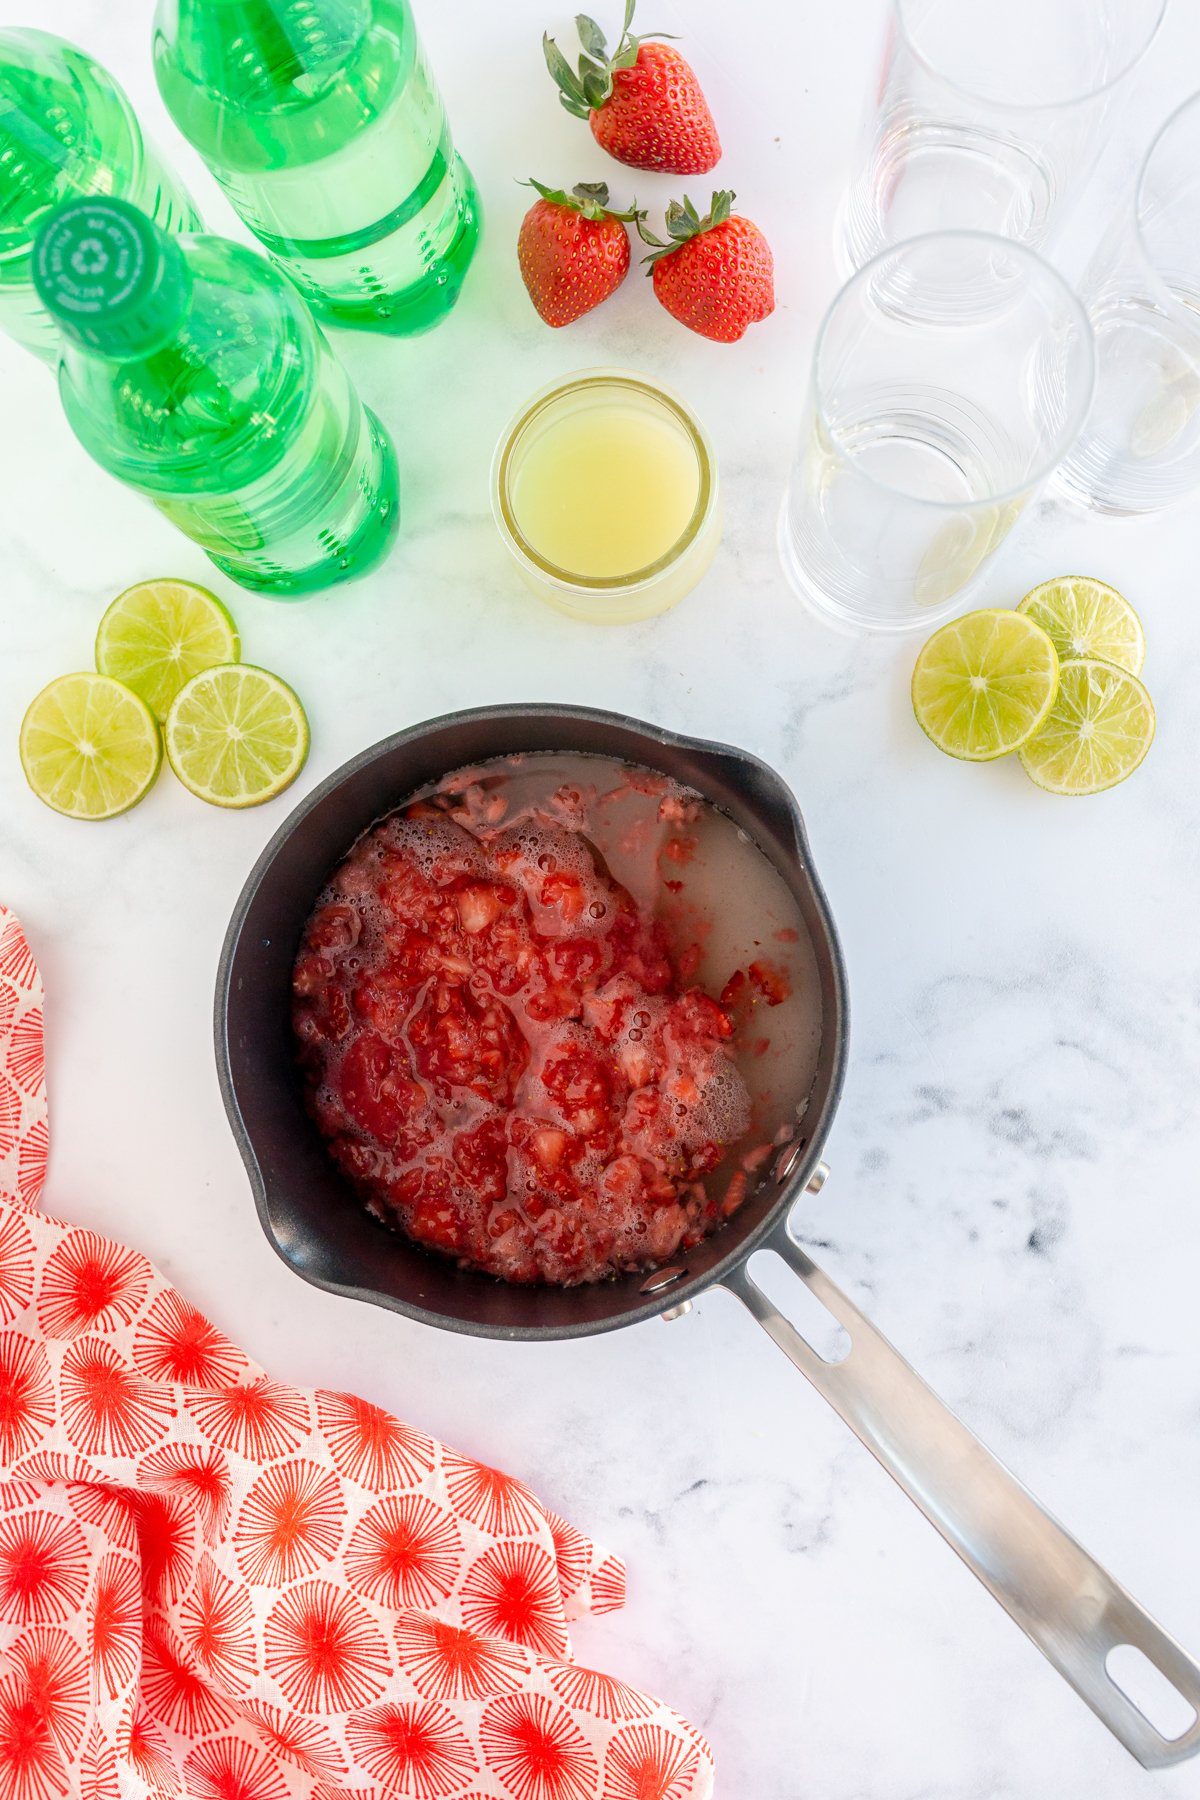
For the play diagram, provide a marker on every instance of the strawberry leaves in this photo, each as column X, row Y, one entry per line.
column 683, row 222
column 585, row 90
column 589, row 198
column 571, row 91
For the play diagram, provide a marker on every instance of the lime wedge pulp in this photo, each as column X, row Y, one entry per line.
column 984, row 683
column 1096, row 733
column 157, row 635
column 1088, row 620
column 89, row 747
column 236, row 735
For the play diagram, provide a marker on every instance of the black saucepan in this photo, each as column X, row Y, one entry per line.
column 1052, row 1587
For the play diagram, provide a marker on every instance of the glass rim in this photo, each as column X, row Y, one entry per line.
column 581, row 380
column 1168, row 125
column 1023, row 106
column 1021, row 251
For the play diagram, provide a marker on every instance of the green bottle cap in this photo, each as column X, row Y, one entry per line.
column 113, row 281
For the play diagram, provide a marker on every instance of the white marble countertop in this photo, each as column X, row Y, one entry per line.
column 1014, row 1190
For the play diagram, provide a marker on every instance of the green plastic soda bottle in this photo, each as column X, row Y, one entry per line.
column 194, row 372
column 323, row 124
column 66, row 131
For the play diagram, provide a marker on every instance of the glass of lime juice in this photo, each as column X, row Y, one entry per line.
column 605, row 492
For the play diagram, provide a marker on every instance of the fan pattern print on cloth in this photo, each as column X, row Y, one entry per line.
column 217, row 1587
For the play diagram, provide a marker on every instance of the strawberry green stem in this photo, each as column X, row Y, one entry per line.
column 589, row 198
column 586, row 89
column 683, row 223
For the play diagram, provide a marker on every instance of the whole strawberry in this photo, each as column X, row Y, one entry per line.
column 644, row 103
column 573, row 250
column 715, row 274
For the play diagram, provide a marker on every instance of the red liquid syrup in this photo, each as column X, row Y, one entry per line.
column 505, row 1035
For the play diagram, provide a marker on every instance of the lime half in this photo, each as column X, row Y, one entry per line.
column 1088, row 620
column 984, row 683
column 157, row 635
column 1097, row 732
column 236, row 735
column 89, row 747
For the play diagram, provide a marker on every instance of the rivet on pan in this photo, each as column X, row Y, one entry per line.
column 676, row 1312
column 787, row 1159
column 817, row 1179
column 662, row 1278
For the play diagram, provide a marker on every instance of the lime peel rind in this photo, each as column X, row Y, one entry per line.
column 984, row 684
column 236, row 735
column 1099, row 731
column 90, row 747
column 1088, row 621
column 158, row 634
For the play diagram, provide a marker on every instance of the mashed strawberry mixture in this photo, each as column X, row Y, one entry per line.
column 502, row 1053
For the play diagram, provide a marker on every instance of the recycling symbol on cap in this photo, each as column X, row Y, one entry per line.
column 89, row 257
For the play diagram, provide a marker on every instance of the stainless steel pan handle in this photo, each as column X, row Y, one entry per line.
column 1057, row 1593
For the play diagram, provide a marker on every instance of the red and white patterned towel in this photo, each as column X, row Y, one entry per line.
column 219, row 1587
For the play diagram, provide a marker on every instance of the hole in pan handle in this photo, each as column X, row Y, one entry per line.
column 1058, row 1594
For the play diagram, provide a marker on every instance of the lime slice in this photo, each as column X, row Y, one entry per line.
column 236, row 735
column 1087, row 619
column 89, row 747
column 984, row 683
column 157, row 635
column 1096, row 733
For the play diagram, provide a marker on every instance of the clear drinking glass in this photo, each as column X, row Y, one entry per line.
column 949, row 378
column 985, row 113
column 1140, row 446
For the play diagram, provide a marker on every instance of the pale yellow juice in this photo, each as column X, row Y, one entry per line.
column 607, row 489
column 605, row 492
